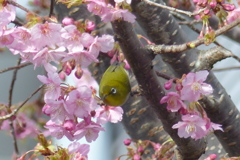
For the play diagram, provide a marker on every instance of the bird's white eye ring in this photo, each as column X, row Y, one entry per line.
column 113, row 90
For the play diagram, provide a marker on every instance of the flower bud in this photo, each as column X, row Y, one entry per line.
column 168, row 84
column 127, row 142
column 228, row 7
column 67, row 68
column 213, row 4
column 79, row 72
column 90, row 25
column 67, row 21
column 69, row 125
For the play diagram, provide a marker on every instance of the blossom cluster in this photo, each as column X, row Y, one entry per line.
column 189, row 89
column 73, row 110
column 106, row 11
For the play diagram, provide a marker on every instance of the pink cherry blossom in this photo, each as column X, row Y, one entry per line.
column 22, row 40
column 81, row 102
column 192, row 126
column 107, row 113
column 174, row 101
column 53, row 89
column 23, row 126
column 232, row 16
column 83, row 58
column 6, row 37
column 105, row 43
column 212, row 126
column 89, row 129
column 118, row 14
column 56, row 110
column 98, row 7
column 58, row 130
column 76, row 147
column 46, row 55
column 47, row 34
column 193, row 86
column 72, row 38
column 7, row 14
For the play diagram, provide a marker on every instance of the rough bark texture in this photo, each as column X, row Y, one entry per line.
column 143, row 113
column 184, row 63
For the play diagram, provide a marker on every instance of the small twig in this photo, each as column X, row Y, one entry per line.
column 9, row 107
column 190, row 14
column 165, row 76
column 15, row 67
column 17, row 109
column 51, row 8
column 19, row 6
column 12, row 83
column 236, row 57
column 226, row 68
column 190, row 24
column 158, row 49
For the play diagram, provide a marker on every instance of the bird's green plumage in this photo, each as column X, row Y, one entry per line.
column 115, row 86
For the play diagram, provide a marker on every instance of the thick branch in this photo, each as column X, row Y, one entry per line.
column 141, row 64
column 224, row 112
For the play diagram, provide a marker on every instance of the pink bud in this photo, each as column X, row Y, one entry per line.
column 140, row 149
column 79, row 72
column 228, row 7
column 213, row 156
column 136, row 157
column 45, row 107
column 67, row 21
column 178, row 87
column 90, row 25
column 127, row 66
column 168, row 84
column 69, row 125
column 213, row 4
column 206, row 11
column 62, row 76
column 67, row 68
column 127, row 142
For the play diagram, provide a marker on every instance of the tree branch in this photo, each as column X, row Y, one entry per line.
column 190, row 14
column 9, row 107
column 140, row 62
column 15, row 67
column 159, row 49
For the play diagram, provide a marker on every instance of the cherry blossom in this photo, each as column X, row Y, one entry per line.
column 193, row 86
column 232, row 16
column 56, row 110
column 58, row 130
column 108, row 113
column 192, row 126
column 81, row 102
column 89, row 129
column 174, row 101
column 53, row 89
column 23, row 126
column 76, row 147
column 50, row 32
column 7, row 14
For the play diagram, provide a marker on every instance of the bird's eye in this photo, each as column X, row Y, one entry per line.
column 113, row 90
